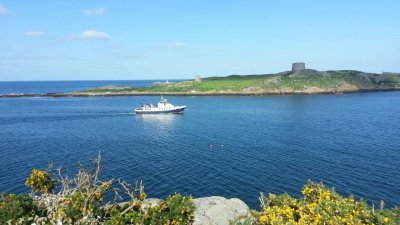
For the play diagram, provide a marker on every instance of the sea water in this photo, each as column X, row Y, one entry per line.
column 229, row 146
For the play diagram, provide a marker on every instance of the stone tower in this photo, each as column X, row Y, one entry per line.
column 197, row 79
column 298, row 66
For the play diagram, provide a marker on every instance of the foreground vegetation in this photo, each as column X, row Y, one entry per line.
column 321, row 205
column 81, row 200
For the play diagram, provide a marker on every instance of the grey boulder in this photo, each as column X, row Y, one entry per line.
column 219, row 210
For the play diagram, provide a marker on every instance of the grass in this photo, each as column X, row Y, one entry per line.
column 300, row 83
column 271, row 82
column 233, row 83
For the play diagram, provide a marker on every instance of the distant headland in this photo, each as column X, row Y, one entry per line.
column 298, row 81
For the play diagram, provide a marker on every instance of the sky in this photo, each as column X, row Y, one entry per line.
column 178, row 39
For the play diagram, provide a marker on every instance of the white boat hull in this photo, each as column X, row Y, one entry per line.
column 176, row 109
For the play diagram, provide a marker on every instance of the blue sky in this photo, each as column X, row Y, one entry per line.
column 129, row 40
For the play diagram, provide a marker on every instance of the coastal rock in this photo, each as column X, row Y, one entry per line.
column 150, row 202
column 213, row 210
column 219, row 210
column 251, row 89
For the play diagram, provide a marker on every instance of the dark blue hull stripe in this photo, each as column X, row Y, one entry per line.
column 161, row 112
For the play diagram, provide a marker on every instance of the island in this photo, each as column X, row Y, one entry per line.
column 297, row 81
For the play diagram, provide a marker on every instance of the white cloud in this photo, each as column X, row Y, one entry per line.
column 90, row 34
column 94, row 12
column 34, row 33
column 175, row 45
column 3, row 10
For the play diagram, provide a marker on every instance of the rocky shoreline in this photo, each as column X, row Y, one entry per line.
column 213, row 93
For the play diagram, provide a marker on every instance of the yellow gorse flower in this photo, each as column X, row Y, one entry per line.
column 40, row 181
column 319, row 205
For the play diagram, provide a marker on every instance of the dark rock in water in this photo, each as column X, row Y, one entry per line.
column 109, row 88
column 112, row 88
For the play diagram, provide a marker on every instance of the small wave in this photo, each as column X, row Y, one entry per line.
column 126, row 113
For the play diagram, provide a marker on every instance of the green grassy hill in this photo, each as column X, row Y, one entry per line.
column 307, row 81
column 301, row 82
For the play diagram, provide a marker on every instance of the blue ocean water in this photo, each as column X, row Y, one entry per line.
column 270, row 143
column 41, row 87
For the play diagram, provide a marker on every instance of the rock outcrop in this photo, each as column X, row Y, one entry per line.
column 219, row 210
column 213, row 210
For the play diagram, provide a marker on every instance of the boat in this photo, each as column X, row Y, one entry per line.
column 158, row 83
column 163, row 106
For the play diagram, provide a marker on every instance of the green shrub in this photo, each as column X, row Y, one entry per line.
column 15, row 207
column 175, row 210
column 321, row 205
column 40, row 181
column 80, row 200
